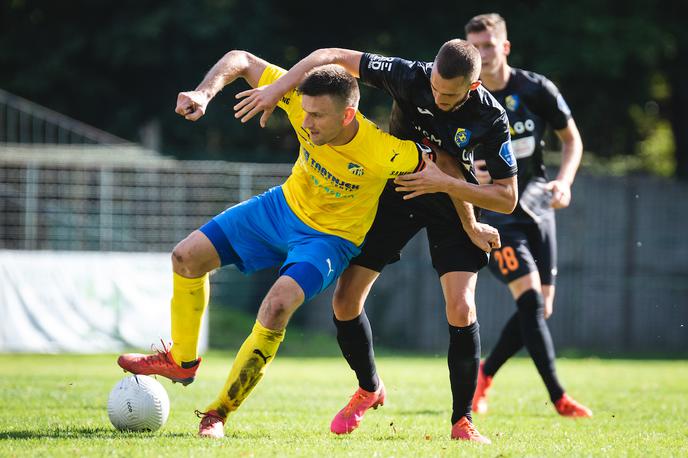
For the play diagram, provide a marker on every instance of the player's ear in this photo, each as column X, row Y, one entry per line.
column 507, row 47
column 474, row 85
column 349, row 115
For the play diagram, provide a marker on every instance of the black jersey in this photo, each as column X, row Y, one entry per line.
column 480, row 121
column 532, row 102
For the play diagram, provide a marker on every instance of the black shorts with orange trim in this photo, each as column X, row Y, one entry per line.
column 527, row 247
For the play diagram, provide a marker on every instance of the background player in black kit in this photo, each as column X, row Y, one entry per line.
column 442, row 103
column 527, row 260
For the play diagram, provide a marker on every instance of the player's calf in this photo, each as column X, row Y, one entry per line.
column 481, row 389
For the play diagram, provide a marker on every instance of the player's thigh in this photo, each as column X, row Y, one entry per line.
column 459, row 295
column 396, row 222
column 328, row 254
column 352, row 289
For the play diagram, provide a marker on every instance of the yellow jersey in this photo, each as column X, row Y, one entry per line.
column 335, row 189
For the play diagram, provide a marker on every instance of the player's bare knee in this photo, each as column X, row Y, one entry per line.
column 461, row 313
column 276, row 310
column 345, row 307
column 183, row 264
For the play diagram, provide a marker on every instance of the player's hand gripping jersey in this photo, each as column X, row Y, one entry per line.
column 335, row 189
column 479, row 121
column 531, row 102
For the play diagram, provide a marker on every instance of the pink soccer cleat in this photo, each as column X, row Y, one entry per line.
column 212, row 425
column 464, row 430
column 569, row 407
column 350, row 416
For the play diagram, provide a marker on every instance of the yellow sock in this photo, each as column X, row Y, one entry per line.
column 257, row 351
column 189, row 301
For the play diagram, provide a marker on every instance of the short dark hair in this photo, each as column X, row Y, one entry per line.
column 331, row 80
column 458, row 58
column 492, row 22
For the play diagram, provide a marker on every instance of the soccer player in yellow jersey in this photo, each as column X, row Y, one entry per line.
column 311, row 226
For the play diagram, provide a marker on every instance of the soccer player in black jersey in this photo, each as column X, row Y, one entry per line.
column 441, row 103
column 527, row 260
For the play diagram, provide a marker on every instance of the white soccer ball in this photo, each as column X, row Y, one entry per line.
column 138, row 403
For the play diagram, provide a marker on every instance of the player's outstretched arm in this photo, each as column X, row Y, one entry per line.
column 265, row 98
column 571, row 154
column 500, row 196
column 233, row 65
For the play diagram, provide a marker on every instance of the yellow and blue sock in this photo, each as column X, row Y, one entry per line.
column 257, row 351
column 189, row 300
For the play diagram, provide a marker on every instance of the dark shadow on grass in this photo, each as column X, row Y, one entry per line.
column 421, row 412
column 379, row 438
column 607, row 354
column 80, row 433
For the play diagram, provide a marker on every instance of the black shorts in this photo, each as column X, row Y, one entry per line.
column 398, row 220
column 527, row 247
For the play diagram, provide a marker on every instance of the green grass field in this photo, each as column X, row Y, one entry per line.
column 56, row 406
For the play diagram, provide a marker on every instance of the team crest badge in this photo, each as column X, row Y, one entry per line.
column 512, row 102
column 356, row 169
column 462, row 137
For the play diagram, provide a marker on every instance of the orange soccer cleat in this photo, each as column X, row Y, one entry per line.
column 569, row 407
column 465, row 430
column 350, row 416
column 159, row 363
column 212, row 424
column 480, row 395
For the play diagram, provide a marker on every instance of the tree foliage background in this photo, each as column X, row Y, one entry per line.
column 621, row 65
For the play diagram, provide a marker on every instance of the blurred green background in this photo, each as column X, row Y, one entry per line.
column 621, row 65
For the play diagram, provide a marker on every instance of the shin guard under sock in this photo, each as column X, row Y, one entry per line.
column 538, row 341
column 356, row 342
column 463, row 359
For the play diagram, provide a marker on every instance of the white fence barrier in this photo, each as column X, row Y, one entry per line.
column 86, row 302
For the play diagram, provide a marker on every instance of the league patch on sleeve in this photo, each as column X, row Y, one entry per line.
column 506, row 152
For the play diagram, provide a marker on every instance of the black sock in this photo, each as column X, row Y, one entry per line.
column 509, row 343
column 356, row 342
column 189, row 364
column 463, row 359
column 537, row 339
